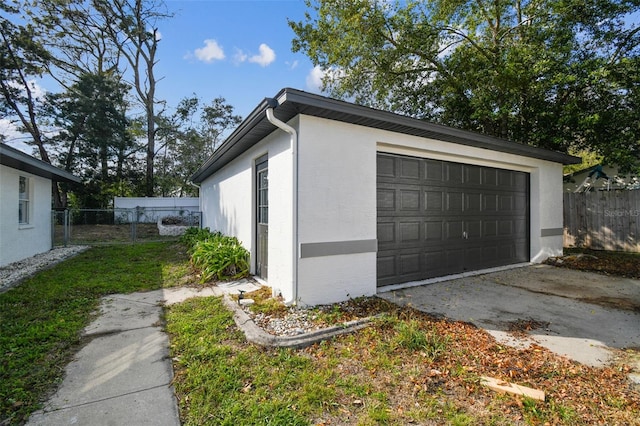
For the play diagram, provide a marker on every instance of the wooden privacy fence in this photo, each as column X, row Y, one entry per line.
column 602, row 220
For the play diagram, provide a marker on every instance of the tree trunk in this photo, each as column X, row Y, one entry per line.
column 151, row 148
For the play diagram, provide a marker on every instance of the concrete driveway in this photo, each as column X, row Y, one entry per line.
column 577, row 314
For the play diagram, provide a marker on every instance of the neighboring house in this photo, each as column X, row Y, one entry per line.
column 336, row 200
column 599, row 178
column 25, row 204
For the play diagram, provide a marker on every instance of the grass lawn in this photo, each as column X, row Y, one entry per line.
column 406, row 368
column 41, row 320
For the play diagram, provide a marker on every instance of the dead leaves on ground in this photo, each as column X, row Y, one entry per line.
column 591, row 395
column 606, row 262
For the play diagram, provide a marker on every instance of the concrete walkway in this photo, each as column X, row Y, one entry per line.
column 123, row 376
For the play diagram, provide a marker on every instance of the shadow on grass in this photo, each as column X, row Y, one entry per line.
column 41, row 320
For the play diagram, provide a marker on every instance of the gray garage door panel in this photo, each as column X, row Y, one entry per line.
column 438, row 218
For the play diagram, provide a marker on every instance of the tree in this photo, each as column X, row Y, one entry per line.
column 111, row 37
column 612, row 117
column 94, row 140
column 132, row 27
column 60, row 39
column 534, row 72
column 22, row 59
column 79, row 37
column 188, row 138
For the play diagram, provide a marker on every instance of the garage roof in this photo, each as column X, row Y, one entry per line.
column 15, row 159
column 292, row 102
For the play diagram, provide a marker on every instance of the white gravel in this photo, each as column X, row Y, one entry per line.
column 12, row 274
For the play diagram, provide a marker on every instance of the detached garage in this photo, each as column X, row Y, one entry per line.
column 336, row 200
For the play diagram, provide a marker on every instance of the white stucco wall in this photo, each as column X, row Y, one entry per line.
column 17, row 241
column 337, row 205
column 335, row 248
column 337, row 190
column 228, row 205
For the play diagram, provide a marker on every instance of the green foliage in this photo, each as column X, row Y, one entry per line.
column 41, row 319
column 94, row 142
column 589, row 159
column 411, row 337
column 218, row 257
column 189, row 137
column 222, row 382
column 554, row 73
column 193, row 235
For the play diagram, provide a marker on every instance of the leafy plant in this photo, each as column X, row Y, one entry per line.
column 219, row 257
column 194, row 235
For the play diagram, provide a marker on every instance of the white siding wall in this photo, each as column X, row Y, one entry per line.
column 228, row 206
column 18, row 242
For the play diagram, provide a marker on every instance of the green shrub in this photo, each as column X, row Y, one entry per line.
column 193, row 235
column 218, row 257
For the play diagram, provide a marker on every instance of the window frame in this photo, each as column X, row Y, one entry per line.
column 24, row 200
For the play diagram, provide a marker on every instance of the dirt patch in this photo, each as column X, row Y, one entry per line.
column 605, row 262
column 614, row 302
column 526, row 325
column 109, row 234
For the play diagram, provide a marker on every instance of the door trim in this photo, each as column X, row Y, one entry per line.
column 261, row 217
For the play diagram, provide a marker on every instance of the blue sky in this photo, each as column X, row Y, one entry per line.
column 237, row 49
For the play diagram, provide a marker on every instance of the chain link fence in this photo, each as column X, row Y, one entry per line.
column 113, row 226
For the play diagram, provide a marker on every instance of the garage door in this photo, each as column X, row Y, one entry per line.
column 438, row 218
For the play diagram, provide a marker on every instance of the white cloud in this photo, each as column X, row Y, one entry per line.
column 314, row 79
column 210, row 52
column 13, row 137
column 8, row 129
column 266, row 56
column 37, row 91
column 292, row 65
column 239, row 57
column 316, row 76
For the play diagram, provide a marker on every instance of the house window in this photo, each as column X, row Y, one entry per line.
column 23, row 204
column 263, row 197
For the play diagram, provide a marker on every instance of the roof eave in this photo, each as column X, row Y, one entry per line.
column 255, row 117
column 18, row 160
column 440, row 132
column 293, row 102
